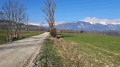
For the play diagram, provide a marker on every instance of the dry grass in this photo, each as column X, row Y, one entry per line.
column 70, row 56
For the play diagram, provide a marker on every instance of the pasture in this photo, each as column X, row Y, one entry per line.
column 91, row 50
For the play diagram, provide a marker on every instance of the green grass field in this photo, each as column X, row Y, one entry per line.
column 96, row 50
column 22, row 35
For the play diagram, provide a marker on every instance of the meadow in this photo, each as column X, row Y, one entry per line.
column 22, row 35
column 90, row 50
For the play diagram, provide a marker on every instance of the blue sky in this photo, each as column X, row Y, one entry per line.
column 74, row 10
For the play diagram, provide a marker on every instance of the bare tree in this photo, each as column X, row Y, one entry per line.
column 19, row 17
column 14, row 13
column 49, row 11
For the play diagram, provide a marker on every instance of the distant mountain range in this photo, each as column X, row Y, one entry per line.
column 86, row 26
column 90, row 24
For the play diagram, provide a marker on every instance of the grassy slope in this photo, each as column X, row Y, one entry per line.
column 105, row 50
column 22, row 35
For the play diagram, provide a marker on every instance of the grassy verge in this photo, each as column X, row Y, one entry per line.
column 22, row 35
column 49, row 56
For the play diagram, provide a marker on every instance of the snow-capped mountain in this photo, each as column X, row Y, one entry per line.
column 35, row 23
column 94, row 20
column 89, row 24
column 56, row 23
column 86, row 26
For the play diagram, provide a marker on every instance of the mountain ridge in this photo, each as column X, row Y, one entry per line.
column 86, row 26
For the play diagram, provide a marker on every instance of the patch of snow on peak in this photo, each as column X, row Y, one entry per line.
column 94, row 20
column 35, row 24
column 56, row 23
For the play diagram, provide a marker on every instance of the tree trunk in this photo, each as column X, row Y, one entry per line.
column 53, row 32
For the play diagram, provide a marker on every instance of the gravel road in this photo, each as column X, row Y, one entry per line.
column 21, row 53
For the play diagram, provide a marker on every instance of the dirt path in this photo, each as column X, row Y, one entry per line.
column 21, row 53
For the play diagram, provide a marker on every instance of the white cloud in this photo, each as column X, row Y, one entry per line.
column 94, row 20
